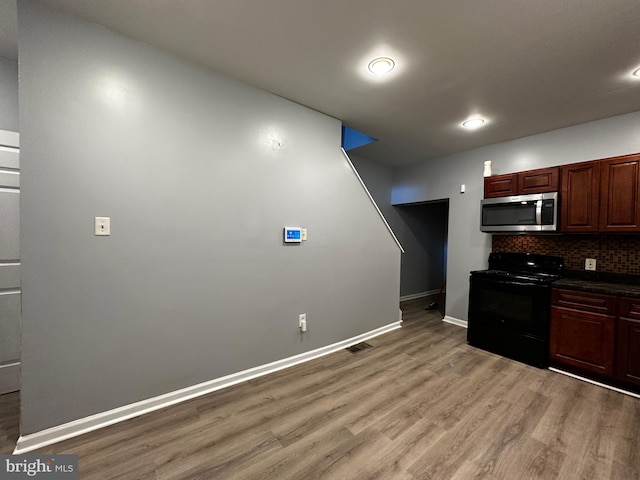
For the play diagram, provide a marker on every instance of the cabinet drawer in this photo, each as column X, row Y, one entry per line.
column 629, row 308
column 586, row 301
column 583, row 340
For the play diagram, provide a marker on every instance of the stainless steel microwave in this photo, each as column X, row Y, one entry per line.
column 537, row 212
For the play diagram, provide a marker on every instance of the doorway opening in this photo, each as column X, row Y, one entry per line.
column 423, row 270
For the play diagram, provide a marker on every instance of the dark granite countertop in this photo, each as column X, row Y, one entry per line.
column 600, row 282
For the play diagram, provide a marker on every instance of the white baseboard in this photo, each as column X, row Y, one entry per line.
column 455, row 321
column 27, row 443
column 588, row 380
column 9, row 378
column 413, row 296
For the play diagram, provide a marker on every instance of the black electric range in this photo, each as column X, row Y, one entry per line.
column 510, row 305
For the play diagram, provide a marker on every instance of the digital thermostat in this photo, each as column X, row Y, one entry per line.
column 292, row 234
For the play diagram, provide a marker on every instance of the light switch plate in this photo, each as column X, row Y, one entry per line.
column 590, row 264
column 102, row 226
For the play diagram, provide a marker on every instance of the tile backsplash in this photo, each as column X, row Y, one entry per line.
column 613, row 253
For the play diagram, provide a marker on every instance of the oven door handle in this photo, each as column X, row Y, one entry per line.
column 508, row 283
column 539, row 212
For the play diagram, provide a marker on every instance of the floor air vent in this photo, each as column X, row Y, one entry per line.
column 358, row 346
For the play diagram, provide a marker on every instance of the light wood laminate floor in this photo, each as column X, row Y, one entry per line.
column 419, row 404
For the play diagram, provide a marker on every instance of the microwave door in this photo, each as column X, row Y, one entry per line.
column 511, row 215
column 520, row 213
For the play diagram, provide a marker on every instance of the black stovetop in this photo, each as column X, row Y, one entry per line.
column 530, row 267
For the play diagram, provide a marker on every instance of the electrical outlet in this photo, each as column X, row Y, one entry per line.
column 590, row 264
column 302, row 321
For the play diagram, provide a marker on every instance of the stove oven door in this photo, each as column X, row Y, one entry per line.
column 510, row 318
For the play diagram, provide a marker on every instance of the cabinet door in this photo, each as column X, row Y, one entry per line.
column 628, row 341
column 619, row 194
column 501, row 186
column 579, row 197
column 628, row 346
column 538, row 181
column 582, row 339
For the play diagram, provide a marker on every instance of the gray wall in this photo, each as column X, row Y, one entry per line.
column 441, row 178
column 8, row 94
column 421, row 229
column 199, row 174
column 379, row 181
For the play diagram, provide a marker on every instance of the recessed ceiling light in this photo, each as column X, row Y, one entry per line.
column 637, row 73
column 381, row 65
column 473, row 123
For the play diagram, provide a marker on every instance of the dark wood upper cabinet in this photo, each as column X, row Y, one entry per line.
column 620, row 194
column 522, row 183
column 538, row 181
column 501, row 185
column 579, row 196
column 596, row 196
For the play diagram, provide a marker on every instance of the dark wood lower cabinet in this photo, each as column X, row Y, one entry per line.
column 599, row 334
column 628, row 346
column 628, row 341
column 582, row 339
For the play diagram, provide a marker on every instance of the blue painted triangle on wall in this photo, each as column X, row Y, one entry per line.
column 353, row 138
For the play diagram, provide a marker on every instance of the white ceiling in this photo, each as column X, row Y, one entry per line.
column 528, row 66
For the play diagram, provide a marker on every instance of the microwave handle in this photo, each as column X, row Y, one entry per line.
column 539, row 212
